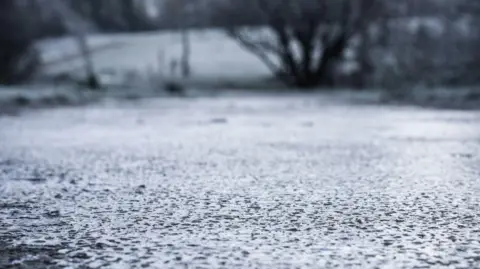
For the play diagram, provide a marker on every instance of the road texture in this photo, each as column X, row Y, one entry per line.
column 249, row 182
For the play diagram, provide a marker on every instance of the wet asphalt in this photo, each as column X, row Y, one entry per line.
column 240, row 182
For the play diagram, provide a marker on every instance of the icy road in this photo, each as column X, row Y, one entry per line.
column 240, row 182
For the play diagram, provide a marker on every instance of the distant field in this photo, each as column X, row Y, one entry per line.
column 214, row 55
column 136, row 65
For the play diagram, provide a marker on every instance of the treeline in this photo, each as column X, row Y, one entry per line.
column 360, row 43
column 310, row 43
column 26, row 21
column 105, row 15
column 18, row 59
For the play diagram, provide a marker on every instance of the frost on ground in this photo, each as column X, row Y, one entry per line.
column 453, row 98
column 12, row 99
column 240, row 182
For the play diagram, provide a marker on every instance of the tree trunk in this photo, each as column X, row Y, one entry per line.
column 186, row 51
column 92, row 80
column 318, row 73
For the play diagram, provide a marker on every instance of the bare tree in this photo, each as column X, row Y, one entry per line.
column 302, row 40
column 180, row 13
column 79, row 27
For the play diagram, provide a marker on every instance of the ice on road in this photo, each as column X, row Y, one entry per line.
column 240, row 182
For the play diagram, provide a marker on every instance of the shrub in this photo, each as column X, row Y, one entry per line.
column 18, row 58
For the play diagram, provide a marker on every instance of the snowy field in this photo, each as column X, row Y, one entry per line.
column 213, row 55
column 140, row 63
column 136, row 65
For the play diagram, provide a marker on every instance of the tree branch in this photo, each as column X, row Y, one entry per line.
column 261, row 51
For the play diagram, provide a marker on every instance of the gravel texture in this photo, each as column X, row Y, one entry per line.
column 240, row 182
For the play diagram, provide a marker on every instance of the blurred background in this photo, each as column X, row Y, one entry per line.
column 404, row 49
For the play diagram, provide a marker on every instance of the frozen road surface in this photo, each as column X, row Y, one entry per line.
column 245, row 182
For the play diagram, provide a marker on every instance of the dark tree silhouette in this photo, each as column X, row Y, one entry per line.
column 301, row 41
column 18, row 59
